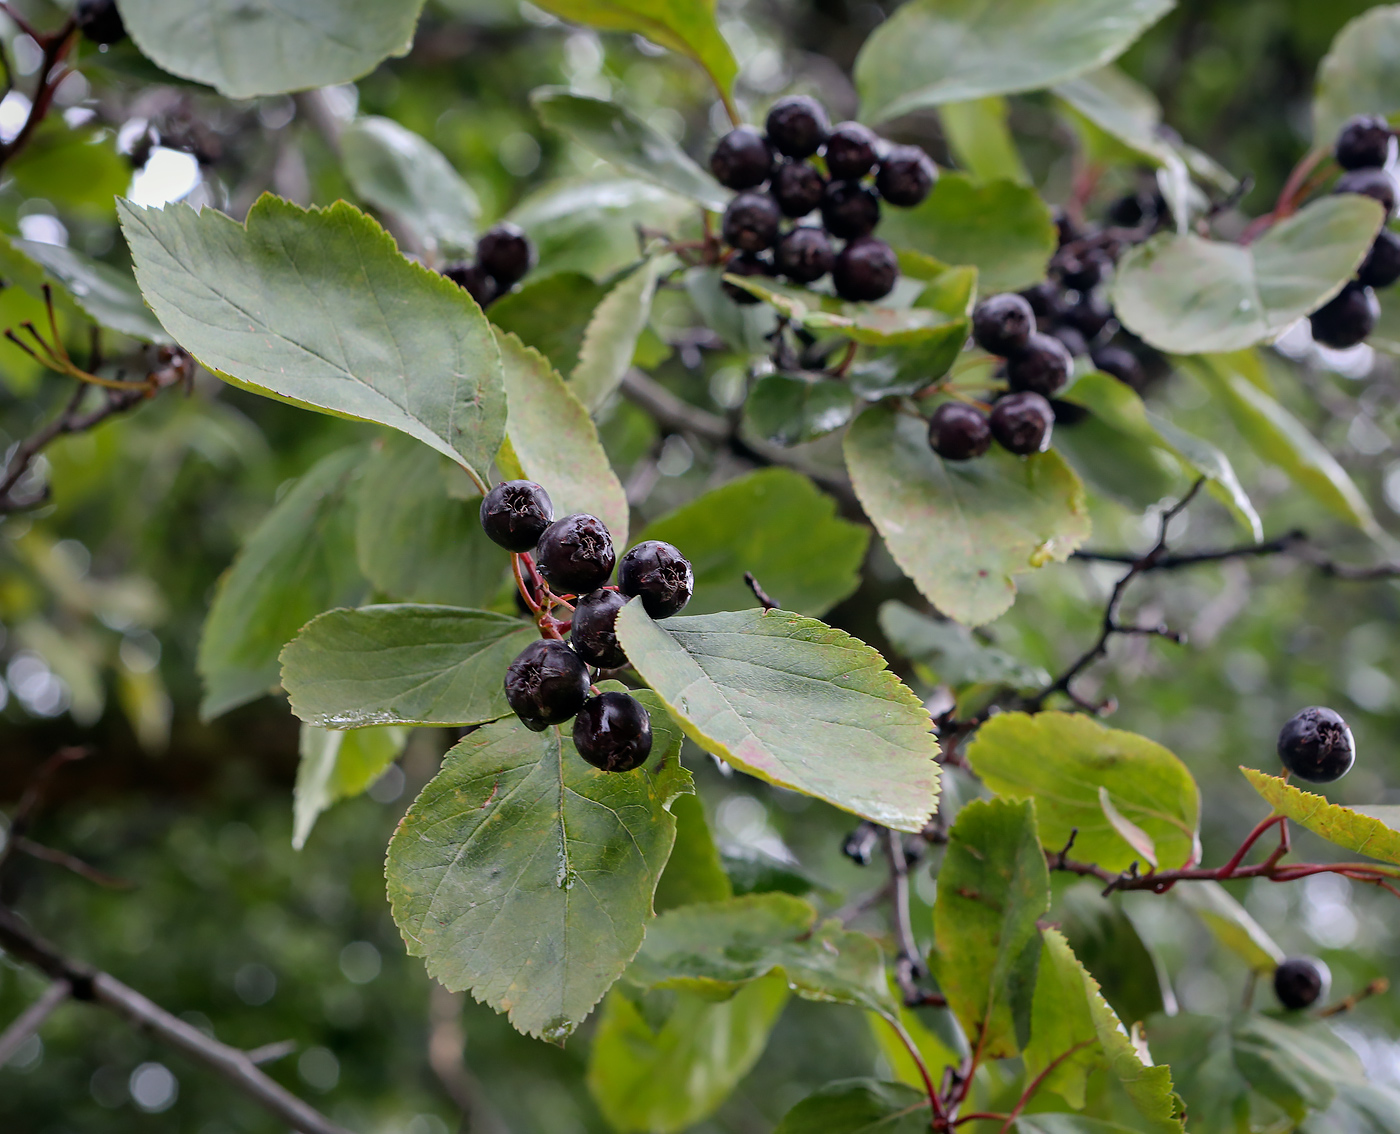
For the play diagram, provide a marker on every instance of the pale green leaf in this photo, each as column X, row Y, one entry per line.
column 1212, row 463
column 746, row 328
column 981, row 141
column 1343, row 826
column 1295, row 1065
column 1131, row 977
column 336, row 765
column 952, row 652
column 1067, row 1124
column 695, row 872
column 108, row 294
column 1357, row 75
column 551, row 313
column 610, row 340
column 1231, row 925
column 859, row 1106
column 1359, row 1108
column 788, row 409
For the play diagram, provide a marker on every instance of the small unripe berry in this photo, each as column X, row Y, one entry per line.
column 576, row 554
column 1043, row 366
column 797, row 126
column 546, row 684
column 741, row 159
column 1382, row 265
column 906, row 176
column 850, row 151
column 516, row 513
column 865, row 270
column 1374, row 183
column 1347, row 318
column 660, row 575
column 959, row 432
column 1021, row 423
column 474, row 280
column 805, row 254
column 1316, row 745
column 745, row 264
column 849, row 209
column 1300, row 982
column 594, row 632
column 506, row 254
column 1363, row 142
column 797, row 187
column 1003, row 324
column 751, row 222
column 613, row 732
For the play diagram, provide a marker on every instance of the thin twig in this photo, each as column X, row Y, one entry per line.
column 759, row 593
column 32, row 1019
column 1377, row 987
column 33, row 797
column 70, row 862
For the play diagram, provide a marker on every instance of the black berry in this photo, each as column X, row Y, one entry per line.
column 1082, row 270
column 797, row 187
column 613, row 732
column 474, row 280
column 1065, row 228
column 1316, row 746
column 797, row 126
column 1122, row 363
column 1382, row 265
column 100, row 21
column 906, row 176
column 742, row 159
column 505, row 253
column 594, row 633
column 1300, row 982
column 751, row 222
column 865, row 270
column 1128, row 211
column 1347, row 318
column 547, row 684
column 1003, row 324
column 576, row 554
column 959, row 432
column 1046, row 299
column 1373, row 183
column 658, row 574
column 1042, row 366
column 1363, row 143
column 1021, row 423
column 850, row 151
column 849, row 209
column 805, row 254
column 1070, row 339
column 515, row 514
column 1089, row 315
column 745, row 264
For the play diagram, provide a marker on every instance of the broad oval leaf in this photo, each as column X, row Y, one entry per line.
column 1131, row 977
column 1231, row 924
column 1354, row 830
column 788, row 409
column 963, row 531
column 793, row 702
column 1357, row 75
column 610, row 339
column 1212, row 463
column 951, row 652
column 402, row 664
column 935, row 51
column 695, row 871
column 980, row 139
column 337, row 764
column 526, row 876
column 106, row 293
column 859, row 1106
column 1359, row 1108
column 317, row 307
column 551, row 313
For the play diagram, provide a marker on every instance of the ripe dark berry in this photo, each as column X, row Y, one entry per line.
column 849, row 209
column 959, row 432
column 660, row 575
column 1347, row 318
column 1128, row 211
column 100, row 21
column 474, row 280
column 865, row 270
column 751, row 222
column 861, row 844
column 505, row 252
column 1300, row 982
column 1382, row 265
column 613, row 732
column 1065, row 228
column 515, row 514
column 1046, row 299
column 1082, row 270
column 805, row 254
column 850, row 151
column 594, row 633
column 1363, row 142
column 906, row 176
column 1122, row 363
column 1373, row 183
column 1316, row 746
column 576, row 554
column 797, row 187
column 1042, row 366
column 797, row 126
column 547, row 684
column 742, row 159
column 745, row 264
column 1069, row 338
column 1003, row 324
column 1089, row 315
column 1021, row 423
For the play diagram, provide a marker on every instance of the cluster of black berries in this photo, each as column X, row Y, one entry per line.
column 1362, row 150
column 777, row 182
column 503, row 255
column 549, row 682
column 100, row 22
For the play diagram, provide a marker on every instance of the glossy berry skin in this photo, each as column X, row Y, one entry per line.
column 1316, row 746
column 1300, row 982
column 751, row 222
column 613, row 732
column 1363, row 142
column 1046, row 299
column 906, row 176
column 1003, row 324
column 575, row 554
column 505, row 253
column 745, row 264
column 959, row 432
column 546, row 684
column 1089, row 316
column 797, row 187
column 1373, row 183
column 849, row 209
column 660, row 575
column 1021, row 423
column 1042, row 366
column 1082, row 271
column 797, row 126
column 850, row 151
column 516, row 513
column 100, row 21
column 805, row 254
column 1347, row 318
column 594, row 633
column 742, row 159
column 1123, row 364
column 1069, row 338
column 865, row 270
column 474, row 280
column 1382, row 264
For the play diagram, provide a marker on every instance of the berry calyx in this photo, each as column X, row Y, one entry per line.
column 1347, row 318
column 797, row 187
column 805, row 254
column 850, row 151
column 546, row 684
column 613, row 732
column 576, row 554
column 797, row 126
column 745, row 264
column 594, row 632
column 516, row 513
column 1300, row 982
column 1363, row 142
column 505, row 254
column 865, row 270
column 1381, row 267
column 100, row 21
column 741, row 159
column 474, row 280
column 959, row 432
column 1042, row 366
column 849, row 209
column 659, row 575
column 1003, row 324
column 1373, row 183
column 751, row 222
column 906, row 176
column 1316, row 745
column 1120, row 362
column 1021, row 423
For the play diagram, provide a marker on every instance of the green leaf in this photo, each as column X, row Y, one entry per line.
column 244, row 50
column 1359, row 1108
column 935, row 51
column 107, row 294
column 400, row 172
column 1108, row 944
column 551, row 313
column 402, row 664
column 299, row 561
column 695, row 872
column 1114, row 446
column 1343, row 826
column 76, row 170
column 1004, row 230
column 859, row 1106
column 776, row 524
column 1066, row 1124
column 745, row 328
column 788, row 409
column 1213, row 464
column 657, row 1079
column 962, row 531
column 1296, row 1066
column 526, row 875
column 610, row 340
column 992, row 888
column 752, row 871
column 621, row 139
column 336, row 765
column 793, row 702
column 317, row 308
column 1190, row 295
column 1062, row 760
column 1230, row 924
column 952, row 653
column 1357, row 75
column 863, row 323
column 981, row 141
